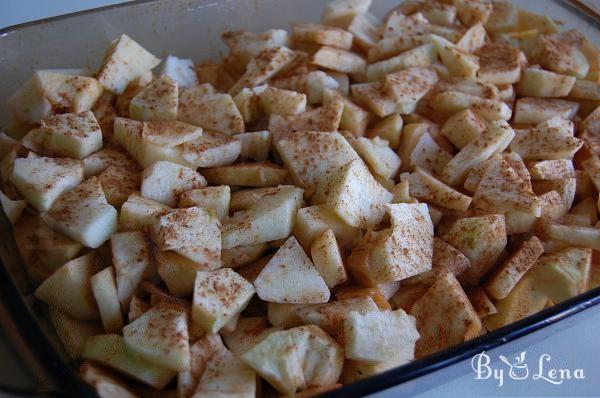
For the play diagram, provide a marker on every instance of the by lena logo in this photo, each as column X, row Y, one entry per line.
column 518, row 369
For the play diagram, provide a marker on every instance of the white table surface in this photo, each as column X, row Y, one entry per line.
column 572, row 344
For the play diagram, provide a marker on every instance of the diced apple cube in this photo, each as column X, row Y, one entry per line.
column 216, row 112
column 263, row 174
column 426, row 187
column 530, row 110
column 219, row 296
column 282, row 102
column 165, row 181
column 325, row 118
column 445, row 316
column 42, row 180
column 212, row 150
column 545, row 84
column 110, row 350
column 374, row 336
column 342, row 191
column 125, row 60
column 72, row 333
column 308, row 156
column 326, row 256
column 214, row 198
column 105, row 292
column 225, row 375
column 69, row 290
column 132, row 261
column 157, row 101
column 137, row 212
column 83, row 214
column 255, row 145
column 463, row 127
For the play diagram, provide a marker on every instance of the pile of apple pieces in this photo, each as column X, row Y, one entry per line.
column 360, row 176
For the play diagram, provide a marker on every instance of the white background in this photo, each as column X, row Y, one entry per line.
column 573, row 343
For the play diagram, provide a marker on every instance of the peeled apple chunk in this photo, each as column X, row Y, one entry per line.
column 83, row 214
column 42, row 180
column 373, row 336
column 279, row 281
column 160, row 336
column 111, row 350
column 125, row 60
column 219, row 296
column 69, row 290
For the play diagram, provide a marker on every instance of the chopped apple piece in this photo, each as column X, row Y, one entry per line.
column 178, row 272
column 530, row 110
column 327, row 259
column 420, row 56
column 330, row 316
column 494, row 139
column 366, row 34
column 74, row 135
column 450, row 102
column 268, row 219
column 501, row 189
column 83, row 214
column 137, row 212
column 426, row 187
column 313, row 221
column 473, row 39
column 325, row 118
column 482, row 239
column 214, row 198
column 378, row 155
column 426, row 153
column 48, row 92
column 69, row 290
column 216, row 112
column 592, row 168
column 165, row 181
column 282, row 102
column 354, row 118
column 111, row 350
column 506, row 277
column 558, row 56
column 570, row 234
column 341, row 188
column 545, row 142
column 157, row 101
column 374, row 336
column 248, row 333
column 463, row 127
column 105, row 292
column 499, row 63
column 255, row 145
column 523, row 300
column 308, row 156
column 200, row 353
column 445, row 259
column 471, row 12
column 42, row 180
column 404, row 250
column 105, row 384
column 71, row 332
column 544, row 84
column 240, row 256
column 339, row 60
column 458, row 62
column 12, row 208
column 160, row 336
column 219, row 296
column 212, row 150
column 124, row 61
column 277, row 282
column 322, row 34
column 551, row 169
column 192, row 232
column 263, row 67
column 129, row 134
column 389, row 129
column 265, row 174
column 445, row 316
column 132, row 261
column 312, row 84
column 225, row 375
column 339, row 12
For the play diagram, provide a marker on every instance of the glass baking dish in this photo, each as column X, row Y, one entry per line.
column 191, row 29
